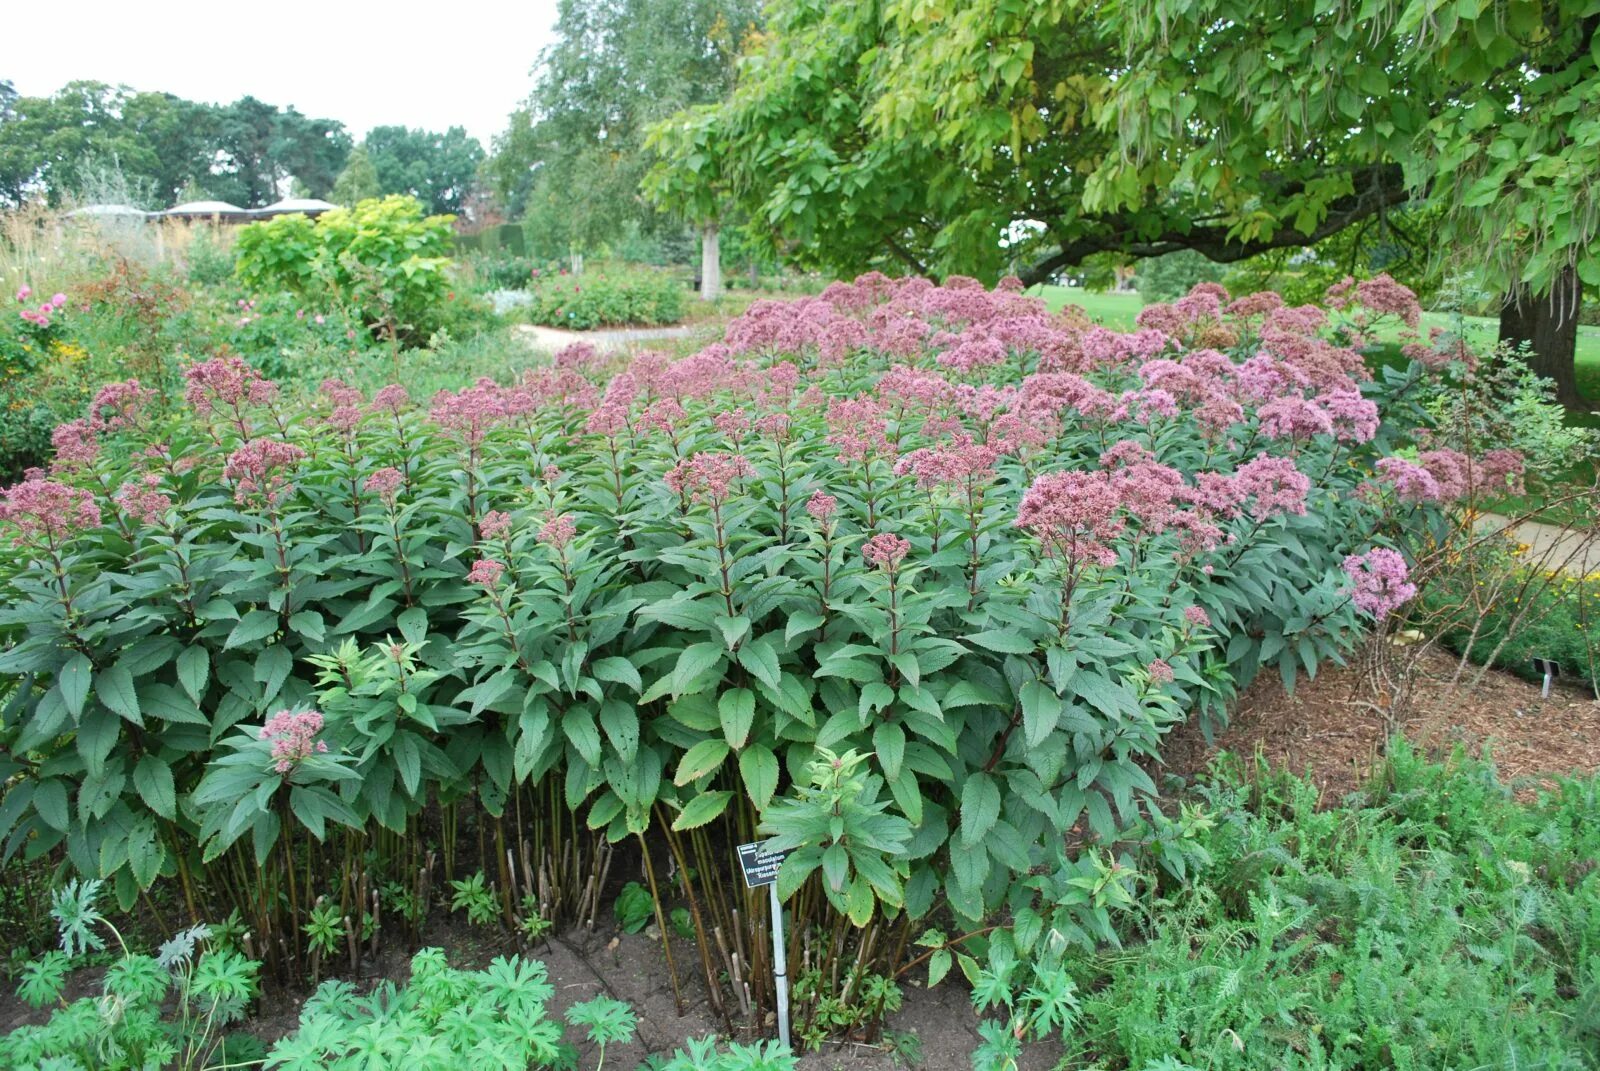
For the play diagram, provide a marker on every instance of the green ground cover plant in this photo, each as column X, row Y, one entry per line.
column 913, row 577
column 606, row 296
column 1431, row 920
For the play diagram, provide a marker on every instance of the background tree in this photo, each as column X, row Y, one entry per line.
column 926, row 136
column 1491, row 108
column 574, row 156
column 261, row 146
column 242, row 152
column 358, row 181
column 436, row 169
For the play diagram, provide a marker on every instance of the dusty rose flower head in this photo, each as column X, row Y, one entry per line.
column 473, row 410
column 119, row 405
column 293, row 736
column 960, row 462
column 259, row 467
column 142, row 499
column 886, row 551
column 1381, row 581
column 77, row 444
column 341, row 393
column 226, row 381
column 558, row 531
column 1160, row 671
column 1197, row 616
column 393, row 398
column 821, row 506
column 486, row 571
column 733, row 423
column 1411, row 482
column 385, row 483
column 495, row 524
column 707, row 477
column 1275, row 484
column 47, row 511
column 1074, row 514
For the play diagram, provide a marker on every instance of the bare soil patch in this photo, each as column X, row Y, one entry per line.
column 1335, row 726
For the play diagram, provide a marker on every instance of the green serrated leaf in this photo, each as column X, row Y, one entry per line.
column 702, row 809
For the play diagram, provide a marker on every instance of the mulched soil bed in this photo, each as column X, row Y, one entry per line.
column 1335, row 726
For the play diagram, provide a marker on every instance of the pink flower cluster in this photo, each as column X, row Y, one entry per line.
column 959, row 462
column 143, row 500
column 1075, row 515
column 558, row 531
column 46, row 511
column 822, row 506
column 385, row 483
column 1381, row 581
column 226, row 381
column 1447, row 476
column 1380, row 296
column 259, row 467
column 293, row 735
column 486, row 571
column 886, row 551
column 708, row 477
column 42, row 315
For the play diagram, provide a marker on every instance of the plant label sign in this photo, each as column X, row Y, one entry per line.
column 760, row 866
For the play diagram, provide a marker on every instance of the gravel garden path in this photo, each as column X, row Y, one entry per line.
column 549, row 338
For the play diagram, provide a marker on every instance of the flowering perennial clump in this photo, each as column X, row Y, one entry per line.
column 293, row 736
column 993, row 552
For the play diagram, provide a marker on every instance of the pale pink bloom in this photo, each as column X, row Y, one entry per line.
column 228, row 381
column 886, row 550
column 77, row 444
column 258, row 467
column 707, row 477
column 293, row 736
column 142, row 499
column 1381, row 581
column 486, row 571
column 1074, row 514
column 558, row 531
column 1197, row 616
column 495, row 524
column 385, row 483
column 822, row 506
column 38, row 507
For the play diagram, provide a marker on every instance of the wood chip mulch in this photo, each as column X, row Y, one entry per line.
column 1335, row 726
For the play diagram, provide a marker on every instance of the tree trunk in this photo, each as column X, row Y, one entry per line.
column 1548, row 323
column 710, row 264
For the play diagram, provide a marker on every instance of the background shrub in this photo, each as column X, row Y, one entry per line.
column 607, row 297
column 381, row 257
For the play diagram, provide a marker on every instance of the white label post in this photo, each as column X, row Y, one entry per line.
column 780, row 969
column 760, row 868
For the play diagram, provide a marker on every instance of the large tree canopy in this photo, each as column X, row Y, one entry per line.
column 1490, row 107
column 161, row 144
column 960, row 137
column 573, row 157
column 436, row 169
column 982, row 136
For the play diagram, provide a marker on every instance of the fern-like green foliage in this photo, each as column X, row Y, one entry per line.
column 167, row 1010
column 443, row 1019
column 702, row 1054
column 1430, row 922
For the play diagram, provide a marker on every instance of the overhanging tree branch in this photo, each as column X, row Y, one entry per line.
column 1378, row 187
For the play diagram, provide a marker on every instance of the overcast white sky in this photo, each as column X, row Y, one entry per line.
column 366, row 64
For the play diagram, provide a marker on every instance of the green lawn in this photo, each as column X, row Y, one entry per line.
column 1118, row 310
